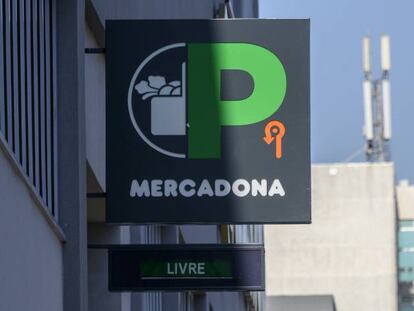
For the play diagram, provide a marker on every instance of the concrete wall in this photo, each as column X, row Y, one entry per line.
column 349, row 250
column 30, row 252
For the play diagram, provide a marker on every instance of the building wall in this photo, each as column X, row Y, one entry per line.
column 30, row 251
column 99, row 297
column 406, row 264
column 246, row 8
column 37, row 236
column 133, row 9
column 95, row 109
column 349, row 250
column 405, row 200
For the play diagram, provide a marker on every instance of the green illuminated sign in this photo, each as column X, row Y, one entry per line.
column 185, row 269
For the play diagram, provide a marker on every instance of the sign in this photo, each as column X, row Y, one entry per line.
column 186, row 267
column 207, row 122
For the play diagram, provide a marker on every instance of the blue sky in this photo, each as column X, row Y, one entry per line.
column 337, row 28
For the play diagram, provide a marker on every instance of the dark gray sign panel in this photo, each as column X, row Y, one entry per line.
column 207, row 121
column 186, row 267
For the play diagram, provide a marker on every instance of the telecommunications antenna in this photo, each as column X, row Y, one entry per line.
column 377, row 102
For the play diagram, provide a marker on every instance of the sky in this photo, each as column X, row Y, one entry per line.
column 337, row 29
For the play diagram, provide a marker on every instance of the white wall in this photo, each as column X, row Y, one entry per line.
column 30, row 252
column 405, row 200
column 349, row 250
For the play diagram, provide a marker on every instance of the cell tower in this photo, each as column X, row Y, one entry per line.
column 377, row 103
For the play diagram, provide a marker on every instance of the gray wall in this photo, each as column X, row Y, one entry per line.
column 349, row 250
column 30, row 251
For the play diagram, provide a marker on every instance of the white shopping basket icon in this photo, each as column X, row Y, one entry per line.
column 168, row 104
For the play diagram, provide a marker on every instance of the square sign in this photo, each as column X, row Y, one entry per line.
column 207, row 121
column 186, row 267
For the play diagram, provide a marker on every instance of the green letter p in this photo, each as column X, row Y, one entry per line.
column 207, row 113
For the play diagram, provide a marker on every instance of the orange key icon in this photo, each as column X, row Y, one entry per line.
column 275, row 130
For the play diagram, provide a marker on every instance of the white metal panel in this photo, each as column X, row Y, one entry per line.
column 368, row 126
column 366, row 54
column 385, row 53
column 386, row 106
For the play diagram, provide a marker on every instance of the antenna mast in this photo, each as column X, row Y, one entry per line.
column 377, row 103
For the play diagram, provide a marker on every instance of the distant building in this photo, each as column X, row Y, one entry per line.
column 349, row 251
column 405, row 199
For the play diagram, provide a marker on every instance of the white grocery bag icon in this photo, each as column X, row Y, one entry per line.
column 168, row 104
